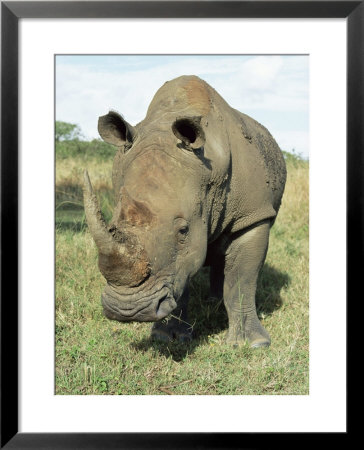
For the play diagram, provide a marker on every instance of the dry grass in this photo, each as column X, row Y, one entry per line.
column 69, row 171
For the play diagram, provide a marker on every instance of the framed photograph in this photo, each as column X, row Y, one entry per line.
column 70, row 378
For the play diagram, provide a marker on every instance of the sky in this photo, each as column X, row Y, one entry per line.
column 273, row 89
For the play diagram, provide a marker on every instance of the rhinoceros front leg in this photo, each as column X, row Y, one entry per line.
column 243, row 261
column 176, row 327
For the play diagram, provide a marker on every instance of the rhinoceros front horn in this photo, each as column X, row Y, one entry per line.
column 95, row 220
column 122, row 260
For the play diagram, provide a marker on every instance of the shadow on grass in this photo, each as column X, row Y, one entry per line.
column 209, row 318
column 270, row 283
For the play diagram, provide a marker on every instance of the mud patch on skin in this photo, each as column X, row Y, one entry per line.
column 137, row 214
column 258, row 135
column 133, row 212
column 128, row 267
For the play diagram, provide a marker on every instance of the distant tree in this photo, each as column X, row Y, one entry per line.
column 67, row 131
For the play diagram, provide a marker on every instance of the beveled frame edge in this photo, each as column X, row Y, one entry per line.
column 11, row 12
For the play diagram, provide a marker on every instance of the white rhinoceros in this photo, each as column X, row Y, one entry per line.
column 196, row 182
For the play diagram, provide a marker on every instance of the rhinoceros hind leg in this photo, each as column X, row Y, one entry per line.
column 176, row 327
column 244, row 258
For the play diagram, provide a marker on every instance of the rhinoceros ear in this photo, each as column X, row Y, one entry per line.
column 115, row 130
column 189, row 131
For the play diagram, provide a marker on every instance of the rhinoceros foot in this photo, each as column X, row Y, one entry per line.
column 254, row 333
column 173, row 329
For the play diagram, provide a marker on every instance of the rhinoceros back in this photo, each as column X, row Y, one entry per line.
column 240, row 150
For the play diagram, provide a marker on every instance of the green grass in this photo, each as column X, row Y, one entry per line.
column 97, row 356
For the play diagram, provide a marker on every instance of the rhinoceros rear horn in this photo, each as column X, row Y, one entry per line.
column 189, row 131
column 115, row 130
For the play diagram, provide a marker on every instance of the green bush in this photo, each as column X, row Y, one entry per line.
column 74, row 148
column 67, row 131
column 294, row 159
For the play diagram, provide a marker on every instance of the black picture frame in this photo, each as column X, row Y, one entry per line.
column 11, row 12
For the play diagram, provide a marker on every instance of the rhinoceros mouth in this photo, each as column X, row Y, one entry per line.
column 149, row 306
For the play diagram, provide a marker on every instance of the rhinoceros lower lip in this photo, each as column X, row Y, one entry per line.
column 146, row 308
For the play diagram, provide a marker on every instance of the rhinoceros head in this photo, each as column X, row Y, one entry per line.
column 157, row 238
column 165, row 188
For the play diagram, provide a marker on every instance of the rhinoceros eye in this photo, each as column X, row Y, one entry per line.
column 182, row 234
column 182, row 229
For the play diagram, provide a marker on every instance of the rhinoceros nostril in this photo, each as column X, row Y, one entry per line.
column 160, row 303
column 165, row 306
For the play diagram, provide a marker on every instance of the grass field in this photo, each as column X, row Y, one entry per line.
column 97, row 356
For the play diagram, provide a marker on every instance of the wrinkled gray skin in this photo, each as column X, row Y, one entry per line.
column 196, row 182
